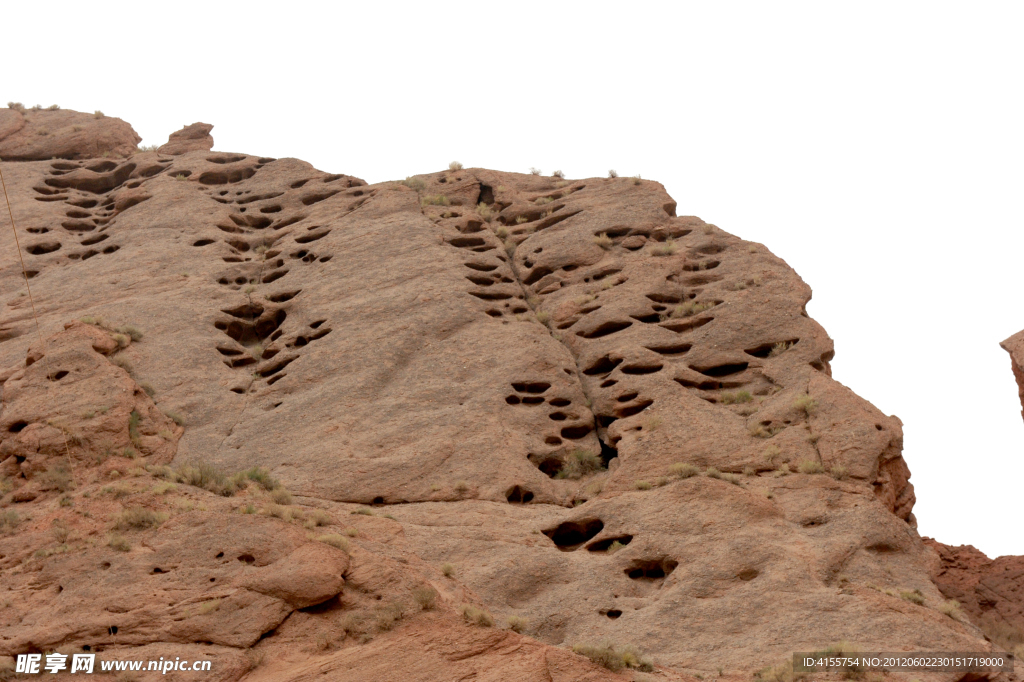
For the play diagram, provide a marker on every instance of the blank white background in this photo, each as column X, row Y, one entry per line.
column 876, row 146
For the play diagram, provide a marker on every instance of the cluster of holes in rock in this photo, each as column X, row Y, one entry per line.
column 86, row 187
column 269, row 216
column 531, row 394
column 259, row 339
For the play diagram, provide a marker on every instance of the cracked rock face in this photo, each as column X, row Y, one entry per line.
column 575, row 407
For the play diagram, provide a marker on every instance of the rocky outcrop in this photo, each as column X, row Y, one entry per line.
column 192, row 138
column 552, row 399
column 1015, row 347
column 38, row 134
column 991, row 591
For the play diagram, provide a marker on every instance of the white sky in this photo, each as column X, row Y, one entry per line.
column 876, row 146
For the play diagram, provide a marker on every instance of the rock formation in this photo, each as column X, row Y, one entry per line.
column 193, row 138
column 1015, row 347
column 551, row 403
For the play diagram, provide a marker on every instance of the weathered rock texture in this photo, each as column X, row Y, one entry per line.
column 36, row 134
column 512, row 368
column 1015, row 347
column 193, row 138
column 987, row 589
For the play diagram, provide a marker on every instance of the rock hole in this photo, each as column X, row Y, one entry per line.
column 96, row 239
column 512, row 399
column 58, row 376
column 604, row 329
column 284, row 296
column 305, row 239
column 466, row 242
column 624, row 398
column 244, row 558
column 571, row 535
column 481, row 267
column 603, row 365
column 105, row 565
column 532, row 400
column 688, row 325
column 535, row 387
column 43, row 248
column 537, row 274
column 608, row 451
column 603, row 545
column 721, row 370
column 17, row 427
column 486, row 195
column 650, row 569
column 576, row 432
column 559, row 402
column 157, row 569
column 647, row 319
column 613, row 613
column 518, row 495
column 316, row 198
column 609, row 382
column 641, row 369
column 671, row 349
column 274, row 276
column 378, row 500
column 552, row 440
column 558, row 416
column 765, row 349
column 112, row 630
column 747, row 574
column 633, row 409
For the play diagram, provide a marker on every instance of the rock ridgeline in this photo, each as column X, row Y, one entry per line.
column 444, row 428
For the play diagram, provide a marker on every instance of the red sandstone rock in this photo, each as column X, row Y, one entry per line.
column 191, row 138
column 1015, row 347
column 512, row 367
column 63, row 134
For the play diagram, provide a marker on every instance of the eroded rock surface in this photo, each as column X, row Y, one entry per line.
column 520, row 372
column 1015, row 347
column 34, row 134
column 191, row 138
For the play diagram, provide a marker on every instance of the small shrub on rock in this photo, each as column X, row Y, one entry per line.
column 810, row 467
column 683, row 470
column 334, row 540
column 138, row 518
column 426, row 597
column 614, row 658
column 477, row 616
column 516, row 624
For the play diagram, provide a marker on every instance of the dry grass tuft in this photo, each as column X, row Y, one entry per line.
column 139, row 518
column 579, row 464
column 806, row 404
column 665, row 249
column 334, row 540
column 604, row 241
column 426, row 597
column 516, row 623
column 454, row 166
column 614, row 658
column 810, row 467
column 477, row 616
column 683, row 470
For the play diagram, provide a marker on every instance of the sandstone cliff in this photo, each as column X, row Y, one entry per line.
column 468, row 393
